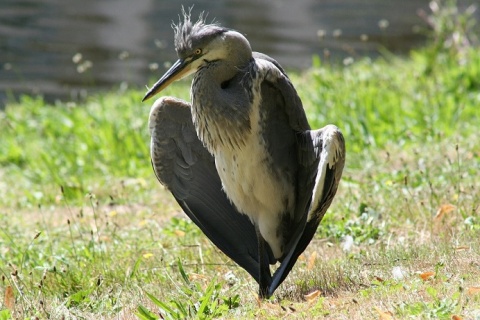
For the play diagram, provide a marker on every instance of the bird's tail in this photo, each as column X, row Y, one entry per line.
column 302, row 239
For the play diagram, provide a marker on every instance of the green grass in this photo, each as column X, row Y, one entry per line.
column 87, row 232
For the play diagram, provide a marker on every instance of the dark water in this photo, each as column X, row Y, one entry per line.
column 65, row 49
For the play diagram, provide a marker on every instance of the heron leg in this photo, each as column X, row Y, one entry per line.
column 265, row 277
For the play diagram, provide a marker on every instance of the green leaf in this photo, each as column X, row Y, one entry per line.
column 203, row 310
column 182, row 272
column 159, row 303
column 5, row 314
column 136, row 266
column 432, row 292
column 82, row 296
column 144, row 314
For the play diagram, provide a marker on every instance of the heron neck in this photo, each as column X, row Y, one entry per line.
column 220, row 100
column 220, row 106
column 237, row 56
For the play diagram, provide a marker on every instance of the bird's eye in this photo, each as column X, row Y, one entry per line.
column 198, row 51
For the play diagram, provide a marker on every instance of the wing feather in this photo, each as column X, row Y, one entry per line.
column 320, row 157
column 185, row 167
column 329, row 156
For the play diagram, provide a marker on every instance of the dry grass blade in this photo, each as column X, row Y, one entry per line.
column 384, row 315
column 311, row 297
column 473, row 291
column 311, row 261
column 427, row 275
column 444, row 210
column 9, row 299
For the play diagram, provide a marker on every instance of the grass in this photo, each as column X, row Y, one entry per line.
column 87, row 232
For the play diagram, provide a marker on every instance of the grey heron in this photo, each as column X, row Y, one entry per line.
column 241, row 159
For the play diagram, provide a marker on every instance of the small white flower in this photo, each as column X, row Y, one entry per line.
column 77, row 57
column 383, row 24
column 348, row 61
column 337, row 33
column 123, row 55
column 230, row 278
column 321, row 33
column 153, row 66
column 347, row 243
column 399, row 273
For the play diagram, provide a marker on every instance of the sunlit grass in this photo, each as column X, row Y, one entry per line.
column 101, row 146
column 393, row 100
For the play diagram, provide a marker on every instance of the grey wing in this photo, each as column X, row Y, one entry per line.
column 329, row 147
column 291, row 104
column 320, row 158
column 291, row 149
column 285, row 128
column 185, row 167
column 263, row 56
column 326, row 164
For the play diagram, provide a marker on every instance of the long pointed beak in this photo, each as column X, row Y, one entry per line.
column 181, row 68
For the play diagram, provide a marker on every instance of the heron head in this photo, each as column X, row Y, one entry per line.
column 198, row 44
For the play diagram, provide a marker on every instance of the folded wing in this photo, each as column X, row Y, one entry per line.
column 185, row 167
column 324, row 148
column 320, row 161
